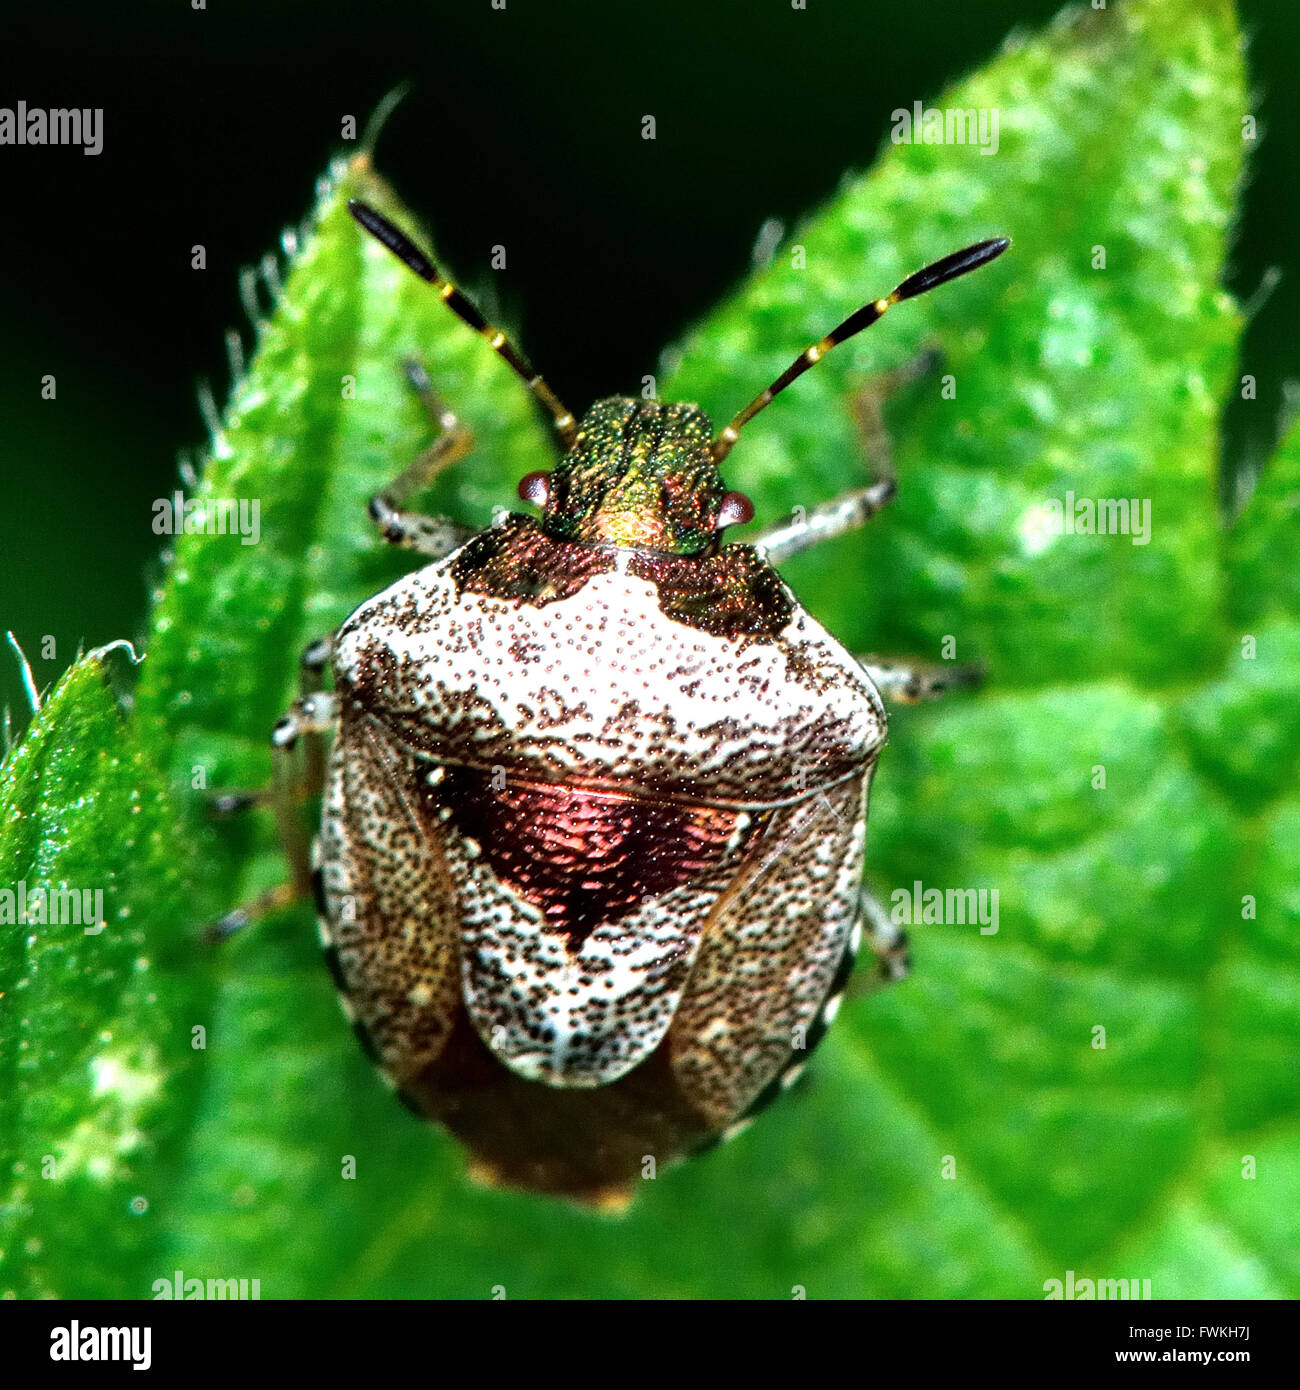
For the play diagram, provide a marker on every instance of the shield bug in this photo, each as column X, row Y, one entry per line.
column 589, row 869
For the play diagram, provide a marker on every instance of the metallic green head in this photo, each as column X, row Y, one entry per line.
column 640, row 475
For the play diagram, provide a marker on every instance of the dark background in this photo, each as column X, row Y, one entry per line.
column 522, row 127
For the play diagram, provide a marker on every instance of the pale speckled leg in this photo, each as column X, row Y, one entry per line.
column 434, row 536
column 884, row 938
column 311, row 714
column 231, row 801
column 910, row 681
column 282, row 895
column 312, row 662
column 854, row 509
column 844, row 513
column 868, row 406
column 886, row 941
column 311, row 666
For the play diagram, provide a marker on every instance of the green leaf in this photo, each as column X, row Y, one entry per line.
column 97, row 1075
column 1127, row 783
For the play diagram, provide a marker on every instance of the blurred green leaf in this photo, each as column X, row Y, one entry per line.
column 1127, row 782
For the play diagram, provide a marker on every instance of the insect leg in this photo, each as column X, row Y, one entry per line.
column 310, row 716
column 907, row 681
column 313, row 659
column 434, row 536
column 845, row 513
column 234, row 800
column 868, row 406
column 853, row 509
column 884, row 939
column 312, row 662
column 282, row 895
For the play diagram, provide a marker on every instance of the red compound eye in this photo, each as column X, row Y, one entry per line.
column 736, row 509
column 535, row 488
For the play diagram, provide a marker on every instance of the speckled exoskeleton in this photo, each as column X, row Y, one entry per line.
column 589, row 871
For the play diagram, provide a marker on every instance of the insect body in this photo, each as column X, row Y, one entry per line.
column 590, row 861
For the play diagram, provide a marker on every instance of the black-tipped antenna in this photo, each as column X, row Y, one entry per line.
column 949, row 268
column 411, row 256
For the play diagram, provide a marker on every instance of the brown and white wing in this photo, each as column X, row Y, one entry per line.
column 770, row 953
column 390, row 923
